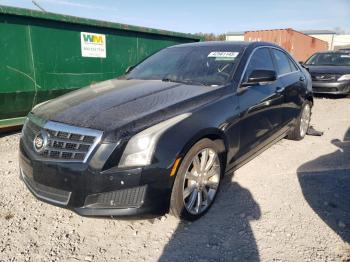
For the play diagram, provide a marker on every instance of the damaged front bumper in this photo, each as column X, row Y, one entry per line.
column 88, row 192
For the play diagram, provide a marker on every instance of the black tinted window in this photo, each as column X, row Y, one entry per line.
column 212, row 65
column 331, row 59
column 282, row 62
column 261, row 59
column 292, row 65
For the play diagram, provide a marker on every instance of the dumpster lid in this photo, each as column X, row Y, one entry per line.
column 90, row 22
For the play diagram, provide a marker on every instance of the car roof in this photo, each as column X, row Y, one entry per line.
column 334, row 52
column 227, row 44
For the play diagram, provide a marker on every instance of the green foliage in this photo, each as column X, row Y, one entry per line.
column 211, row 36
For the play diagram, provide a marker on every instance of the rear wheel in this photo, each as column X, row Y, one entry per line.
column 197, row 181
column 301, row 126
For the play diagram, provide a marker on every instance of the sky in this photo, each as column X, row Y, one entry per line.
column 192, row 16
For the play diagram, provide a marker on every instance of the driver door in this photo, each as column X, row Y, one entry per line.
column 260, row 106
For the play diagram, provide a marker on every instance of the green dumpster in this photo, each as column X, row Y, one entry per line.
column 44, row 55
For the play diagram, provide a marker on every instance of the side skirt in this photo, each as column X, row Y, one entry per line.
column 243, row 160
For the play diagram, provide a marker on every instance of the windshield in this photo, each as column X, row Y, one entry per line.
column 190, row 65
column 329, row 59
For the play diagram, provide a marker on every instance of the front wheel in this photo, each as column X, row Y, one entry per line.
column 301, row 126
column 197, row 181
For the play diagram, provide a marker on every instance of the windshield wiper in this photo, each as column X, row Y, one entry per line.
column 184, row 81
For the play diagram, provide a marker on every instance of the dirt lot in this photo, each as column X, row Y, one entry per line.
column 292, row 203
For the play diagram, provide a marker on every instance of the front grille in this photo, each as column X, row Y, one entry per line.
column 64, row 142
column 325, row 89
column 125, row 198
column 66, row 145
column 324, row 77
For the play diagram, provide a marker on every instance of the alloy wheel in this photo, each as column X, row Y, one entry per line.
column 201, row 181
column 305, row 120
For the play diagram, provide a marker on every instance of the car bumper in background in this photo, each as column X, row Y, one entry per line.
column 335, row 88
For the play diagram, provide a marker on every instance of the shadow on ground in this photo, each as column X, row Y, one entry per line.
column 223, row 234
column 325, row 183
column 330, row 96
column 9, row 131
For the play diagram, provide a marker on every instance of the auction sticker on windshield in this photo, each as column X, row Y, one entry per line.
column 223, row 55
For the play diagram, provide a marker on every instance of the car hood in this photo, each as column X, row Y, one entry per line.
column 132, row 104
column 341, row 70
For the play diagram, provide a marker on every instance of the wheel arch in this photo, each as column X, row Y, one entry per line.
column 214, row 134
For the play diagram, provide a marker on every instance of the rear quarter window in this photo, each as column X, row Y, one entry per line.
column 292, row 65
column 283, row 62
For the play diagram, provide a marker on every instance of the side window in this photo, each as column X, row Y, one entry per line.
column 261, row 59
column 292, row 65
column 282, row 62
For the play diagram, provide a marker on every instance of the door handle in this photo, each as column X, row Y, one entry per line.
column 302, row 78
column 279, row 89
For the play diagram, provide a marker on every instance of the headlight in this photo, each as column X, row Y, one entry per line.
column 140, row 148
column 344, row 77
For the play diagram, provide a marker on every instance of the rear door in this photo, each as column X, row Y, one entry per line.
column 260, row 106
column 293, row 82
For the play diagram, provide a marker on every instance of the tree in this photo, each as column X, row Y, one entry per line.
column 211, row 36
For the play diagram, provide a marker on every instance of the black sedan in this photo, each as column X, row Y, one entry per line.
column 161, row 137
column 330, row 72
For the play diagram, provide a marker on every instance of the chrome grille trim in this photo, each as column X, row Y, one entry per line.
column 324, row 77
column 62, row 135
column 66, row 143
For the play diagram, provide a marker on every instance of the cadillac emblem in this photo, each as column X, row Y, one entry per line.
column 40, row 141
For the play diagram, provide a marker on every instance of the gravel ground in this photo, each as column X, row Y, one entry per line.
column 291, row 203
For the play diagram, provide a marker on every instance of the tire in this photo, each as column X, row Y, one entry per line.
column 299, row 130
column 195, row 187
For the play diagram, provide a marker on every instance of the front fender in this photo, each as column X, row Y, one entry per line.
column 209, row 122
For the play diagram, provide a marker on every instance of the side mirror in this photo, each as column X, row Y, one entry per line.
column 260, row 76
column 301, row 62
column 128, row 70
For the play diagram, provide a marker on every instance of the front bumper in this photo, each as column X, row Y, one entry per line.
column 89, row 192
column 334, row 88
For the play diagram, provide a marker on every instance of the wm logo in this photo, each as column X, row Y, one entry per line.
column 90, row 38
